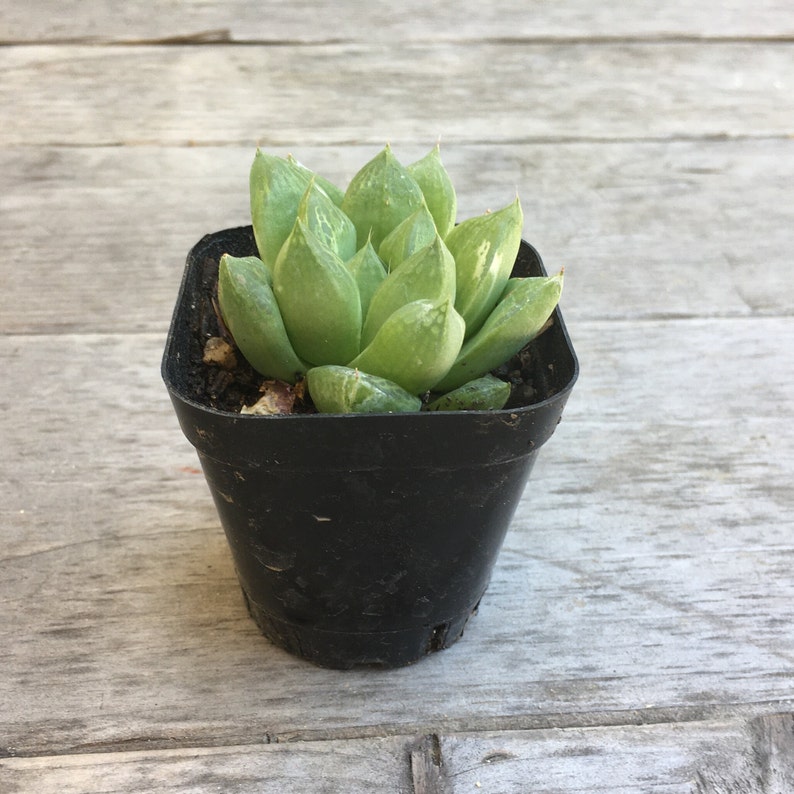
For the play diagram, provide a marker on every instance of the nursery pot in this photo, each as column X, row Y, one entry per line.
column 360, row 539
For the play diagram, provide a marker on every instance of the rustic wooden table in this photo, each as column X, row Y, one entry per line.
column 638, row 632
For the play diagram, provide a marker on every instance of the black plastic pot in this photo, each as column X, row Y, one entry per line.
column 362, row 539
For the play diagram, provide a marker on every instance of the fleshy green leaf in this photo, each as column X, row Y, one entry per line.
column 343, row 390
column 380, row 196
column 437, row 188
column 327, row 222
column 511, row 284
column 515, row 321
column 329, row 188
column 369, row 273
column 413, row 234
column 276, row 189
column 482, row 394
column 429, row 274
column 318, row 298
column 251, row 314
column 381, row 267
column 416, row 345
column 485, row 250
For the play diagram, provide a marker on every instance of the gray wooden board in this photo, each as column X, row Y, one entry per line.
column 240, row 20
column 94, row 239
column 647, row 574
column 355, row 766
column 353, row 93
column 708, row 757
column 715, row 757
column 637, row 631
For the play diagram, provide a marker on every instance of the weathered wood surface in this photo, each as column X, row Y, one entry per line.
column 483, row 92
column 378, row 20
column 648, row 569
column 372, row 766
column 710, row 757
column 637, row 634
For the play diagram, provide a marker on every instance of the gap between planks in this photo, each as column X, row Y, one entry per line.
column 397, row 140
column 224, row 36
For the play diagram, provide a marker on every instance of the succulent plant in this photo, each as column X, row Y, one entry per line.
column 374, row 296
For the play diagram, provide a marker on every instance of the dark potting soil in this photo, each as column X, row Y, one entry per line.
column 219, row 376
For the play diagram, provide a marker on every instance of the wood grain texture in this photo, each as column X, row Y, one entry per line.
column 491, row 93
column 621, row 760
column 764, row 763
column 709, row 757
column 637, row 633
column 427, row 772
column 273, row 21
column 646, row 575
column 95, row 238
column 356, row 766
column 714, row 757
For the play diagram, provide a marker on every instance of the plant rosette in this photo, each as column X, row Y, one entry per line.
column 367, row 384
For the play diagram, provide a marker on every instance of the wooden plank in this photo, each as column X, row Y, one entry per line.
column 765, row 762
column 356, row 766
column 715, row 757
column 240, row 20
column 643, row 229
column 646, row 576
column 358, row 93
column 710, row 757
column 658, row 758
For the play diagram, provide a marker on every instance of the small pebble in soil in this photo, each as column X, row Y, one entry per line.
column 219, row 352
